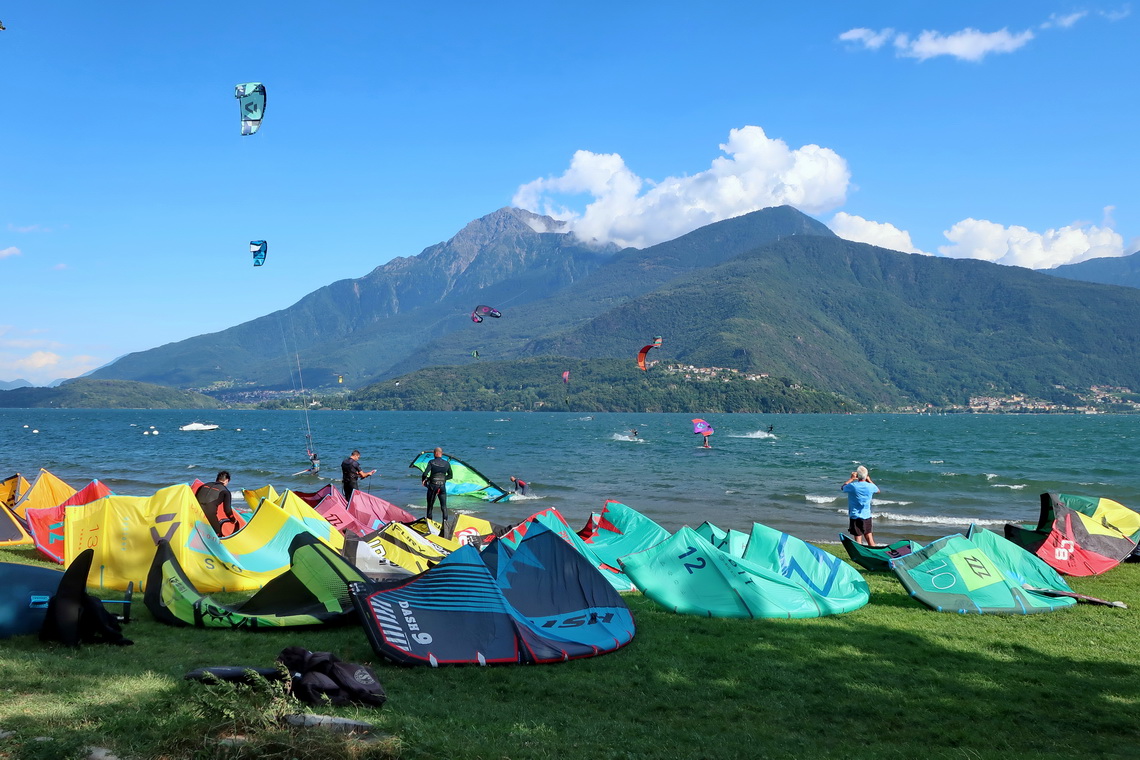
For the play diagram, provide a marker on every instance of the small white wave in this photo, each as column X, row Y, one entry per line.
column 754, row 434
column 991, row 475
column 730, row 492
column 936, row 461
column 880, row 502
column 503, row 419
column 814, row 499
column 948, row 474
column 1016, row 487
column 626, row 438
column 936, row 519
column 525, row 497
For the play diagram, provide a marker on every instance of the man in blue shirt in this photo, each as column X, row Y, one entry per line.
column 860, row 489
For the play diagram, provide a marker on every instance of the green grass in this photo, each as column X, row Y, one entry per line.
column 892, row 680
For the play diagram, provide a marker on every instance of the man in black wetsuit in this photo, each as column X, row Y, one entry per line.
column 215, row 498
column 435, row 477
column 350, row 473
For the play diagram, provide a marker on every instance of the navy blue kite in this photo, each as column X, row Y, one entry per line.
column 542, row 602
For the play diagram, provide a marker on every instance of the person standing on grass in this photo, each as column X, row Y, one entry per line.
column 859, row 489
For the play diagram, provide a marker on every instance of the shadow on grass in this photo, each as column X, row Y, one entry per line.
column 890, row 680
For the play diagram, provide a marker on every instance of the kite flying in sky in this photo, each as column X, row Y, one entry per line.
column 641, row 354
column 566, row 377
column 258, row 248
column 484, row 311
column 251, row 100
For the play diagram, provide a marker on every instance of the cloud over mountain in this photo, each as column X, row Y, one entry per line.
column 756, row 172
column 1020, row 246
column 882, row 234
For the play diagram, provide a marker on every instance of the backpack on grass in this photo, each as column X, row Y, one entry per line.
column 318, row 676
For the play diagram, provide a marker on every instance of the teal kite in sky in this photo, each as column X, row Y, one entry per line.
column 258, row 248
column 251, row 101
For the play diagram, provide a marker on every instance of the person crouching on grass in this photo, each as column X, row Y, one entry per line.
column 860, row 489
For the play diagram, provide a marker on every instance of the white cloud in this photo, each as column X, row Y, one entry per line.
column 966, row 45
column 1058, row 21
column 882, row 234
column 1020, row 246
column 26, row 229
column 1119, row 14
column 43, row 367
column 60, row 267
column 756, row 172
column 9, row 251
column 869, row 38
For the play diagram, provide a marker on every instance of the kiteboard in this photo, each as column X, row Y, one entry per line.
column 24, row 598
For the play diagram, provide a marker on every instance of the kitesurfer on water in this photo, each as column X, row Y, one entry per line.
column 435, row 477
column 521, row 486
column 350, row 473
column 216, row 500
column 859, row 490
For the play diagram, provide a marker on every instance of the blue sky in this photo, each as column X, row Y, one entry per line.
column 1004, row 131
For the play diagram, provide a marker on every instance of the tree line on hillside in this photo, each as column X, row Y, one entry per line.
column 596, row 385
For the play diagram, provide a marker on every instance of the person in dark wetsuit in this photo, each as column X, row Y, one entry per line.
column 521, row 486
column 216, row 500
column 350, row 473
column 435, row 477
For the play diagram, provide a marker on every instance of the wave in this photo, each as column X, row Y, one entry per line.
column 936, row 461
column 1017, row 487
column 937, row 519
column 626, row 438
column 822, row 499
column 754, row 434
column 991, row 475
column 525, row 497
column 880, row 502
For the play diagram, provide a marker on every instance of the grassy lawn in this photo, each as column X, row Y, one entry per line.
column 890, row 680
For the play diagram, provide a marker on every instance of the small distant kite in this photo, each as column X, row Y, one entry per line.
column 258, row 248
column 251, row 101
column 2, row 27
column 566, row 377
column 641, row 354
column 700, row 427
column 484, row 311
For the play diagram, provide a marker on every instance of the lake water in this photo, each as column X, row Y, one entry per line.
column 937, row 473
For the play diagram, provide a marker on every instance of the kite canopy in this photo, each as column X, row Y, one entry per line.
column 46, row 491
column 779, row 577
column 982, row 575
column 465, row 479
column 46, row 524
column 876, row 558
column 620, row 530
column 700, row 427
column 566, row 377
column 645, row 350
column 481, row 311
column 552, row 520
column 539, row 603
column 313, row 591
column 258, row 248
column 251, row 101
column 1079, row 536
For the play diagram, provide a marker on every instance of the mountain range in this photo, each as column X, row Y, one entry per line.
column 773, row 291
